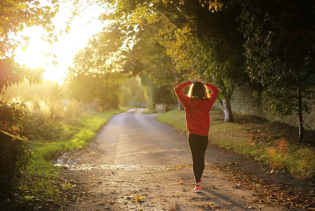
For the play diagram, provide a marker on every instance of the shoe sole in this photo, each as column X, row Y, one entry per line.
column 197, row 191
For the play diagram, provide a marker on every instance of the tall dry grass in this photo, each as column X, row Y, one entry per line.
column 48, row 109
column 47, row 117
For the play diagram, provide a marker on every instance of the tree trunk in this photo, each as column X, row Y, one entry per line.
column 180, row 106
column 300, row 112
column 228, row 115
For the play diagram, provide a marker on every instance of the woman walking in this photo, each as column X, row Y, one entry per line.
column 197, row 107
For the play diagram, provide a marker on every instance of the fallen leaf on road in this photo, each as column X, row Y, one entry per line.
column 174, row 208
column 178, row 167
column 138, row 198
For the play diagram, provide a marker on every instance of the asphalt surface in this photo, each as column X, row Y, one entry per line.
column 137, row 163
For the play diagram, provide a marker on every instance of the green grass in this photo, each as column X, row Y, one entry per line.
column 147, row 111
column 86, row 129
column 123, row 108
column 258, row 140
column 41, row 179
column 175, row 118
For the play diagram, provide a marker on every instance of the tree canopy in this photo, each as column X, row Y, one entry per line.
column 15, row 17
column 198, row 42
column 95, row 74
column 279, row 48
column 271, row 41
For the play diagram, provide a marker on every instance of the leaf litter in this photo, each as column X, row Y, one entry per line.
column 270, row 193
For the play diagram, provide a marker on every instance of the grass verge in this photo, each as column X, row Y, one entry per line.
column 41, row 184
column 148, row 111
column 270, row 143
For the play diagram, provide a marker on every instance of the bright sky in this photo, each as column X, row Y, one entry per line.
column 82, row 29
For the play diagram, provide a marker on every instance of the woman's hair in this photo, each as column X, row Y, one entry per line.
column 198, row 91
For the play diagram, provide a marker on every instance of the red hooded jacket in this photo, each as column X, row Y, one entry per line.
column 197, row 111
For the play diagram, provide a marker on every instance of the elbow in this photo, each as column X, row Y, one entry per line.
column 215, row 91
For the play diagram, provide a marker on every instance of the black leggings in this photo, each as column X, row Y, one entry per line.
column 198, row 145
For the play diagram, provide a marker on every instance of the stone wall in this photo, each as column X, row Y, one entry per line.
column 244, row 103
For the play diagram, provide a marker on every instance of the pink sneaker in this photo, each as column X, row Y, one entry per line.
column 197, row 189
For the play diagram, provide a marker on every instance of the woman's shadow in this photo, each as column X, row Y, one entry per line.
column 209, row 193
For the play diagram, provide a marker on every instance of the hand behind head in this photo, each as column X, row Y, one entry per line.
column 202, row 81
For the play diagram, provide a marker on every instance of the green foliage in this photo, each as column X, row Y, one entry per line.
column 84, row 129
column 149, row 58
column 48, row 118
column 280, row 52
column 95, row 75
column 14, row 154
column 19, row 14
column 155, row 68
column 104, row 88
column 279, row 49
column 209, row 44
column 11, row 114
column 57, row 93
column 49, row 130
column 132, row 93
column 192, row 42
column 27, row 92
column 15, row 16
column 14, row 73
column 43, row 117
column 157, row 73
column 155, row 94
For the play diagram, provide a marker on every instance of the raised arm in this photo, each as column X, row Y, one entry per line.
column 179, row 92
column 214, row 91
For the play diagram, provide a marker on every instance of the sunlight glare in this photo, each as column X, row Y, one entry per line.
column 82, row 29
column 34, row 56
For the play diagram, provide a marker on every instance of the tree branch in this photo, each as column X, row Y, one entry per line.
column 167, row 18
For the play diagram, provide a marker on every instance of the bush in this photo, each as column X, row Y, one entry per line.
column 12, row 115
column 50, row 130
column 14, row 154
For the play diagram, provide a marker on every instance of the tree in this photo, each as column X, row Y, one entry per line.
column 15, row 16
column 56, row 92
column 14, row 73
column 95, row 75
column 148, row 59
column 104, row 89
column 200, row 43
column 156, row 94
column 279, row 51
column 132, row 93
column 211, row 45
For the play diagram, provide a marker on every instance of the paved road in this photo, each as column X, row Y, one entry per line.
column 134, row 138
column 135, row 155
